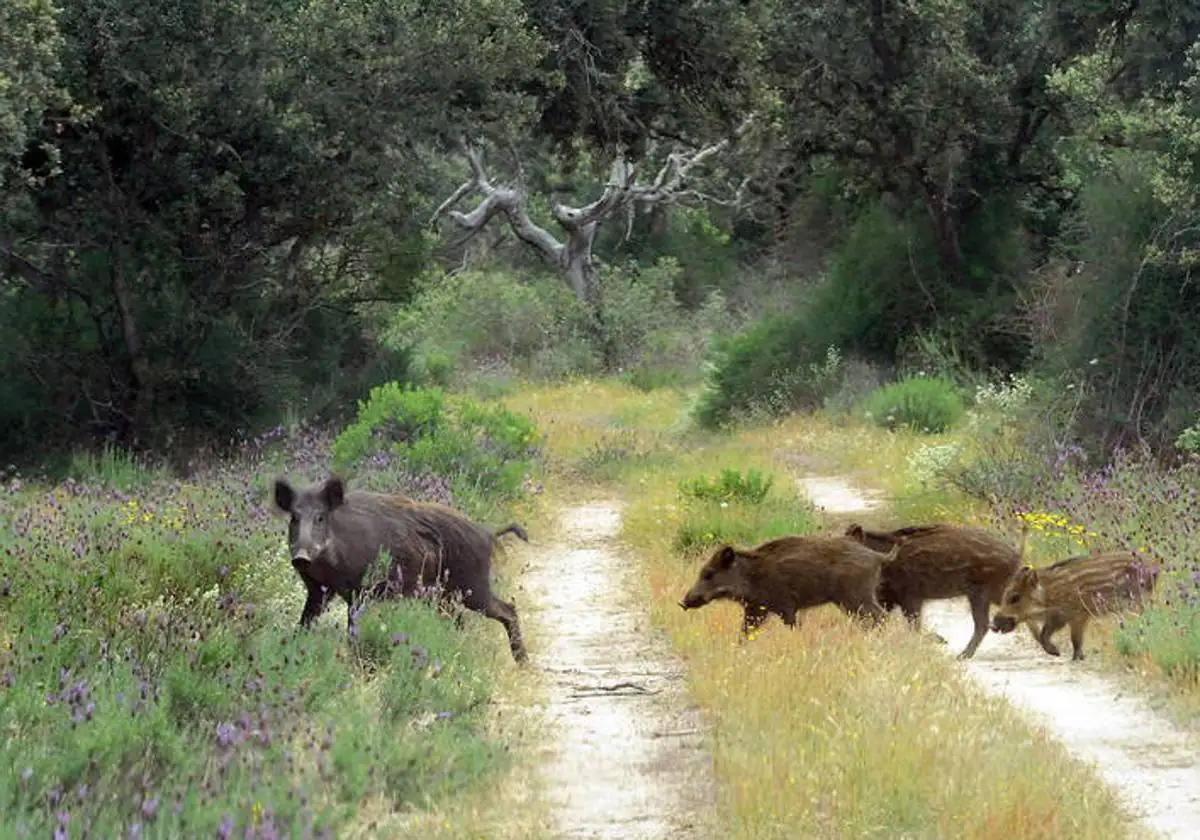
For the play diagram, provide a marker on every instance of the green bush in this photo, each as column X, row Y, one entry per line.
column 1189, row 440
column 535, row 324
column 923, row 404
column 485, row 451
column 778, row 365
column 709, row 523
column 493, row 325
column 1169, row 635
column 884, row 283
column 1122, row 316
column 729, row 486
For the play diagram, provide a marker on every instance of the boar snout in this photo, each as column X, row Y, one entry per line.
column 1004, row 624
column 692, row 601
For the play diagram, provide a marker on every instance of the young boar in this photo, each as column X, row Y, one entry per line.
column 1071, row 592
column 790, row 574
column 942, row 561
column 335, row 536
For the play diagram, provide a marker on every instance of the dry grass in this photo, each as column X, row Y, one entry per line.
column 832, row 730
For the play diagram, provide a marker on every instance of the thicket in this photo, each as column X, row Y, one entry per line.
column 210, row 212
column 487, row 325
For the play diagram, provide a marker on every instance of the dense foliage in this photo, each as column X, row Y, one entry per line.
column 209, row 227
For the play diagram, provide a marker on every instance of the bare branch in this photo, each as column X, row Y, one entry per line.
column 503, row 200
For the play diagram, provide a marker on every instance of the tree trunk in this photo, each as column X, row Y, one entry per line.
column 945, row 230
column 578, row 267
column 141, row 376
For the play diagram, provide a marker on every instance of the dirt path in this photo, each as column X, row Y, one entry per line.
column 626, row 757
column 1151, row 765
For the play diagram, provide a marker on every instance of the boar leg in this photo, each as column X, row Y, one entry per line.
column 753, row 615
column 912, row 612
column 314, row 604
column 1077, row 636
column 506, row 614
column 979, row 613
column 1052, row 625
column 867, row 609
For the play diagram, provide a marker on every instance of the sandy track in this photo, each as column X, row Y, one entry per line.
column 626, row 758
column 1151, row 764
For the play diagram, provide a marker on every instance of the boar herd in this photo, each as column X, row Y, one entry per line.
column 868, row 573
column 335, row 537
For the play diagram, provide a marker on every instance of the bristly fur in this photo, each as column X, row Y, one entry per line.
column 942, row 561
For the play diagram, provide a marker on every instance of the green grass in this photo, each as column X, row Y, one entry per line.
column 152, row 677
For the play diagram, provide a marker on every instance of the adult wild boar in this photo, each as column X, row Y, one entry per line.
column 789, row 574
column 1072, row 591
column 335, row 536
column 942, row 561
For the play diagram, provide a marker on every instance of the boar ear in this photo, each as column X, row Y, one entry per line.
column 333, row 493
column 725, row 557
column 854, row 531
column 284, row 495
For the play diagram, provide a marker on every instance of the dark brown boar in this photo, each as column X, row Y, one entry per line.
column 942, row 561
column 1070, row 592
column 335, row 536
column 789, row 574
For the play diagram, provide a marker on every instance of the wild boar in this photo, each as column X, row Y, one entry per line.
column 942, row 561
column 1070, row 592
column 789, row 574
column 335, row 536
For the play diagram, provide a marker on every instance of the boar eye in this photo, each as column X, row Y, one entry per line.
column 1013, row 599
column 708, row 574
column 320, row 519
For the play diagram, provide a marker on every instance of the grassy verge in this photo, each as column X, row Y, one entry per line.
column 828, row 731
column 152, row 682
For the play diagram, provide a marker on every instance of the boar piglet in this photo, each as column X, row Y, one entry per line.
column 1071, row 592
column 789, row 574
column 942, row 561
column 335, row 536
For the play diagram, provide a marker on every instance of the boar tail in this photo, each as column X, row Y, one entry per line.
column 514, row 529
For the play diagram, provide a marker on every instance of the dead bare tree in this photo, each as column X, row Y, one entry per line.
column 571, row 252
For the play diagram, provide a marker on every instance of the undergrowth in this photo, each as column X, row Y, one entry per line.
column 153, row 682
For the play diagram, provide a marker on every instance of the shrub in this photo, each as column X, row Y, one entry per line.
column 730, row 486
column 393, row 411
column 923, row 404
column 709, row 523
column 1189, row 440
column 1124, row 317
column 778, row 365
column 473, row 318
column 485, row 451
column 648, row 334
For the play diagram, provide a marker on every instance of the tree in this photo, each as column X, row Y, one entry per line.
column 192, row 256
column 623, row 195
column 620, row 73
column 939, row 103
column 29, row 60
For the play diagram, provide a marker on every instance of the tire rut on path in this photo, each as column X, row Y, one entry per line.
column 626, row 758
column 1151, row 765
